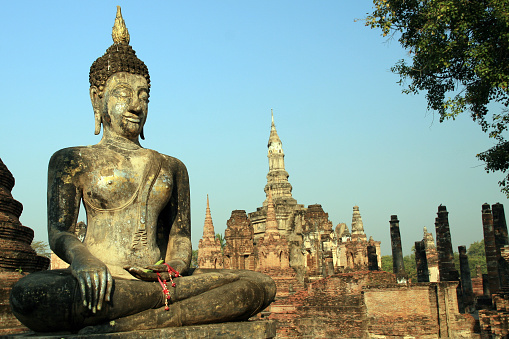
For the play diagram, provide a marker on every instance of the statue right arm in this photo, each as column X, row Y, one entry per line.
column 65, row 176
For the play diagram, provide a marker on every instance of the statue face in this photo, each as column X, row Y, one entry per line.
column 125, row 105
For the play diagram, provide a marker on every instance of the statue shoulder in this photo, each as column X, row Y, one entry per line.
column 173, row 164
column 169, row 161
column 70, row 159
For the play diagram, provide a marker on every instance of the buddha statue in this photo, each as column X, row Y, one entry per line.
column 132, row 270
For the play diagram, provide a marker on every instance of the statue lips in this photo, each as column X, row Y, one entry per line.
column 132, row 118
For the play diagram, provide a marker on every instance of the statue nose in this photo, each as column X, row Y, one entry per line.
column 135, row 106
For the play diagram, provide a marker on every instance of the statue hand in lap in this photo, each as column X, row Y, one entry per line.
column 94, row 279
column 138, row 213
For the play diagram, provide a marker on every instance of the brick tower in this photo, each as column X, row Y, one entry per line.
column 209, row 248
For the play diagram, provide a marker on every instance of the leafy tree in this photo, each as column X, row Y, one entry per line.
column 194, row 258
column 459, row 55
column 408, row 261
column 41, row 248
column 219, row 236
column 387, row 263
column 477, row 256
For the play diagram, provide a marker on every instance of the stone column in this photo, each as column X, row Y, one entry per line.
column 446, row 266
column 499, row 226
column 372, row 258
column 501, row 240
column 466, row 280
column 421, row 262
column 398, row 266
column 490, row 249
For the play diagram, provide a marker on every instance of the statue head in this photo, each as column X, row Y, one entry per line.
column 119, row 74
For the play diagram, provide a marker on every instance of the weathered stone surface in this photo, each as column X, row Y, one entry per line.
column 17, row 258
column 446, row 266
column 372, row 258
column 234, row 330
column 372, row 305
column 398, row 266
column 15, row 239
column 8, row 322
column 431, row 256
column 424, row 310
column 490, row 249
column 239, row 248
column 332, row 307
column 421, row 262
column 466, row 280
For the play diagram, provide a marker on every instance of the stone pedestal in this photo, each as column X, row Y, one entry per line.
column 233, row 330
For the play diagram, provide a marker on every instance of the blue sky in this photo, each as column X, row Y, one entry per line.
column 217, row 68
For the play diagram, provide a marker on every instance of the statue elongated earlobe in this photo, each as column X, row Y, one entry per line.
column 141, row 134
column 95, row 97
column 97, row 118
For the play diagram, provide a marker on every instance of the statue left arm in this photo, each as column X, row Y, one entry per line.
column 178, row 254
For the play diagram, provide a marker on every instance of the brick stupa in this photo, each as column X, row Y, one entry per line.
column 16, row 255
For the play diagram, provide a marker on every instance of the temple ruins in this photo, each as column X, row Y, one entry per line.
column 291, row 243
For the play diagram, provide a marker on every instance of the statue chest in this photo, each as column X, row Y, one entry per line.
column 121, row 184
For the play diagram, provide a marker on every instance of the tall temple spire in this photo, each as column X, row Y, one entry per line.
column 209, row 248
column 208, row 227
column 277, row 178
column 271, row 225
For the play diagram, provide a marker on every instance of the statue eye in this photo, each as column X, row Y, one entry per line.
column 123, row 92
column 143, row 96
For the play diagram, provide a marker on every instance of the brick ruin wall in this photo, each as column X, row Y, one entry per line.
column 371, row 304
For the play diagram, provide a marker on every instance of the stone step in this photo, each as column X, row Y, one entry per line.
column 234, row 330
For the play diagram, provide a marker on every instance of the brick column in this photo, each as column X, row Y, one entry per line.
column 421, row 262
column 490, row 249
column 499, row 226
column 372, row 258
column 446, row 266
column 501, row 240
column 398, row 266
column 466, row 280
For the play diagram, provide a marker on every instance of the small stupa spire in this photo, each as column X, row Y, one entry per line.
column 208, row 227
column 119, row 33
column 357, row 225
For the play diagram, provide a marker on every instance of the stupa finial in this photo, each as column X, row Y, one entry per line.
column 119, row 32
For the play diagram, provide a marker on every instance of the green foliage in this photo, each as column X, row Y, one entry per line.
column 408, row 261
column 411, row 266
column 477, row 256
column 387, row 263
column 194, row 259
column 41, row 248
column 459, row 55
column 219, row 236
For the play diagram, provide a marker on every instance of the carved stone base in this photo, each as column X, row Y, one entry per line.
column 233, row 330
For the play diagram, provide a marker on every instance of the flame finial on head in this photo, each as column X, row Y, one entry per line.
column 119, row 32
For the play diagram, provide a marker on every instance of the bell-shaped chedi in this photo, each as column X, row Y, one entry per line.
column 16, row 255
column 15, row 251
